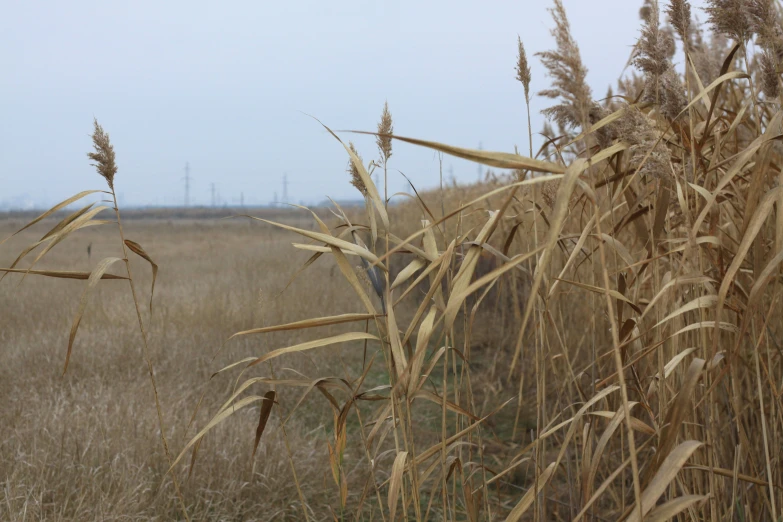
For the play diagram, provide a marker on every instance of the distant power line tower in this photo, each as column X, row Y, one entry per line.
column 213, row 195
column 187, row 179
column 285, row 188
column 242, row 199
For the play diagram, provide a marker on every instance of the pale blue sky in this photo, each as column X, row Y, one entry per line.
column 223, row 85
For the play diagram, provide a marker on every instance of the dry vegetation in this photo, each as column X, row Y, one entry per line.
column 594, row 337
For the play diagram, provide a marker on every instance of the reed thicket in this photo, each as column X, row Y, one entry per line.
column 594, row 336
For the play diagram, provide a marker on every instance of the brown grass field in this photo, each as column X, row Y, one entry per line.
column 594, row 333
column 83, row 446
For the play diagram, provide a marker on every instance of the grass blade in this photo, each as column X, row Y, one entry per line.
column 139, row 251
column 266, row 409
column 52, row 210
column 60, row 274
column 343, row 338
column 666, row 473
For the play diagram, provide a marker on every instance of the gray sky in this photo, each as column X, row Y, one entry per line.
column 224, row 85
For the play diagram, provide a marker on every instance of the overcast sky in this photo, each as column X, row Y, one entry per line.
column 225, row 85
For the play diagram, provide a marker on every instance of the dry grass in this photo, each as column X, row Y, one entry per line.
column 85, row 446
column 596, row 337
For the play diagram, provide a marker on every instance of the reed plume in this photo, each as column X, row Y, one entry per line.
column 679, row 12
column 385, row 131
column 730, row 18
column 569, row 75
column 524, row 76
column 523, row 68
column 653, row 57
column 638, row 129
column 104, row 158
column 766, row 24
column 770, row 79
column 646, row 10
column 356, row 179
column 707, row 54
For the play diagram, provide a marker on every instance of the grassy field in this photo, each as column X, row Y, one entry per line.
column 85, row 446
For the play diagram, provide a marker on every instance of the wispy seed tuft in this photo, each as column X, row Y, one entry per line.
column 662, row 85
column 679, row 12
column 639, row 131
column 653, row 49
column 765, row 22
column 730, row 18
column 646, row 10
column 569, row 75
column 105, row 162
column 385, row 129
column 770, row 82
column 356, row 179
column 523, row 68
column 707, row 54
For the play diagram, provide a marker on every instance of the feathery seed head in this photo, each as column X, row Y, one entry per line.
column 652, row 54
column 569, row 75
column 730, row 18
column 356, row 179
column 770, row 80
column 672, row 99
column 646, row 10
column 679, row 12
column 606, row 134
column 653, row 58
column 105, row 162
column 707, row 55
column 669, row 46
column 386, row 129
column 637, row 129
column 523, row 68
column 765, row 22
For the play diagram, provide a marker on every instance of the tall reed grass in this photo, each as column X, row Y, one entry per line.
column 626, row 279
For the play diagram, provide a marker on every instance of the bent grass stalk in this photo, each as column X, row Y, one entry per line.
column 106, row 167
